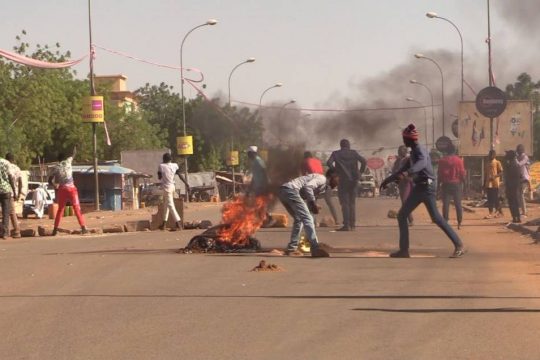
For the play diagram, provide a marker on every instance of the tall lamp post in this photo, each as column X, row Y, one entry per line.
column 249, row 60
column 281, row 111
column 434, row 15
column 93, row 93
column 422, row 56
column 266, row 90
column 425, row 115
column 414, row 82
column 208, row 22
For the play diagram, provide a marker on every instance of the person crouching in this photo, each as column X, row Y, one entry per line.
column 299, row 199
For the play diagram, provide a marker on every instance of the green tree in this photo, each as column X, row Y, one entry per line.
column 527, row 89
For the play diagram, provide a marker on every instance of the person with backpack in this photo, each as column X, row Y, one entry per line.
column 451, row 177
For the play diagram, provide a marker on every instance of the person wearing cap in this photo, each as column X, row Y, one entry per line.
column 345, row 163
column 259, row 177
column 298, row 196
column 420, row 170
column 451, row 177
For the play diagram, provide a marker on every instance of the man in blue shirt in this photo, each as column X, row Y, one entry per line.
column 419, row 168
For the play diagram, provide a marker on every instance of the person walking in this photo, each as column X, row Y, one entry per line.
column 14, row 200
column 420, row 170
column 345, row 163
column 259, row 177
column 451, row 177
column 512, row 184
column 312, row 165
column 524, row 163
column 62, row 180
column 405, row 184
column 298, row 196
column 492, row 175
column 166, row 171
column 7, row 193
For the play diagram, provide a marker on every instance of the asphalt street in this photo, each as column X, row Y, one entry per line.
column 131, row 296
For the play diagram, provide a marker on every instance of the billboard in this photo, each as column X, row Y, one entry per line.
column 512, row 127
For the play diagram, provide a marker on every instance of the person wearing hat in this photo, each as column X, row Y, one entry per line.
column 451, row 176
column 345, row 162
column 420, row 170
column 259, row 177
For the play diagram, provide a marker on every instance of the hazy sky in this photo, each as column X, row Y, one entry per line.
column 318, row 49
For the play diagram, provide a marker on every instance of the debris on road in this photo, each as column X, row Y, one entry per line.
column 263, row 266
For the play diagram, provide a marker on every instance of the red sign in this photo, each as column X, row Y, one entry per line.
column 375, row 163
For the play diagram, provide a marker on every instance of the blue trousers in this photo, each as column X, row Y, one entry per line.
column 452, row 191
column 297, row 208
column 423, row 194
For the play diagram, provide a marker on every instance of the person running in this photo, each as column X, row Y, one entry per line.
column 298, row 196
column 17, row 180
column 312, row 165
column 524, row 163
column 7, row 193
column 405, row 184
column 492, row 174
column 62, row 180
column 512, row 184
column 345, row 162
column 166, row 171
column 451, row 177
column 423, row 191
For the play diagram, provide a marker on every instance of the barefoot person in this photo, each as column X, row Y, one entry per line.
column 423, row 191
column 62, row 180
column 299, row 198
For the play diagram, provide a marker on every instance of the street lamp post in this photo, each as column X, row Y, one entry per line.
column 249, row 60
column 421, row 56
column 414, row 82
column 281, row 111
column 266, row 90
column 434, row 15
column 425, row 116
column 208, row 22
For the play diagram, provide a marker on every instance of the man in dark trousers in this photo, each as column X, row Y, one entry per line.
column 7, row 191
column 451, row 176
column 345, row 163
column 512, row 184
column 421, row 171
column 405, row 184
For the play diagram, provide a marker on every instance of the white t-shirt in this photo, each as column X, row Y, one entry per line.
column 168, row 170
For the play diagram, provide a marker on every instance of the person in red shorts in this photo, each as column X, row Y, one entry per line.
column 62, row 180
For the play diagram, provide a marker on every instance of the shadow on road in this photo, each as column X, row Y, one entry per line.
column 465, row 310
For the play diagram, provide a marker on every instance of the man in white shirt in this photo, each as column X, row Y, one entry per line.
column 299, row 198
column 166, row 172
column 524, row 163
column 17, row 180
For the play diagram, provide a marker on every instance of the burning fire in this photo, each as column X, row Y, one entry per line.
column 243, row 217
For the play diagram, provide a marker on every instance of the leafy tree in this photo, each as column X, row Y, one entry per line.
column 526, row 89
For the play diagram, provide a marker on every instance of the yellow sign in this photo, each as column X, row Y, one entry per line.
column 263, row 154
column 184, row 145
column 233, row 159
column 93, row 109
column 534, row 170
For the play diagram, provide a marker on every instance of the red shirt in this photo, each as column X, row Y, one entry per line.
column 312, row 166
column 451, row 170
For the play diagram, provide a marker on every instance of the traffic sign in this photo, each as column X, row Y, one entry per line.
column 491, row 102
column 375, row 163
column 443, row 144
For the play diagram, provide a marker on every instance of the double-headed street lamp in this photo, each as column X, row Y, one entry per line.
column 208, row 22
column 414, row 82
column 425, row 116
column 422, row 56
column 434, row 15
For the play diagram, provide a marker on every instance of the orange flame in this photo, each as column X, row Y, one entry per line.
column 244, row 216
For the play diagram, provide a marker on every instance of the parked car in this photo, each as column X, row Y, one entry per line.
column 28, row 206
column 367, row 186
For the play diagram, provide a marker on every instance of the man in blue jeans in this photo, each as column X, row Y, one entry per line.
column 299, row 199
column 421, row 171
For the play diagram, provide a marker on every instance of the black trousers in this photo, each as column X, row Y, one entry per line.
column 5, row 200
column 493, row 199
column 513, row 194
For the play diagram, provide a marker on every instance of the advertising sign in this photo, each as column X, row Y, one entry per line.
column 93, row 109
column 511, row 128
column 184, row 145
column 535, row 174
column 233, row 159
column 491, row 101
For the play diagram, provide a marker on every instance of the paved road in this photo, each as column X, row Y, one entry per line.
column 130, row 296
